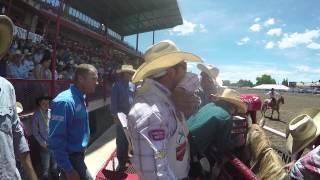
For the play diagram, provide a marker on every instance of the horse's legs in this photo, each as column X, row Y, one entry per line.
column 271, row 113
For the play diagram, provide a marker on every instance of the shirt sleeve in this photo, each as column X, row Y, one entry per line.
column 156, row 133
column 19, row 140
column 60, row 115
column 114, row 99
column 36, row 130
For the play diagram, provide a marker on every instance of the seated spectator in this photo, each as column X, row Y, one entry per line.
column 28, row 62
column 15, row 68
column 40, row 123
column 38, row 55
column 42, row 70
column 67, row 72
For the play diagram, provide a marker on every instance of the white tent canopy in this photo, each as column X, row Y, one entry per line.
column 274, row 86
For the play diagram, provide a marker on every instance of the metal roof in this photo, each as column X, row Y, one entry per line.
column 128, row 17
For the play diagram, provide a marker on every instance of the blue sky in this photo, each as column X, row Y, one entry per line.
column 248, row 38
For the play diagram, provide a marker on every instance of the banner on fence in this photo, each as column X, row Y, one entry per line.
column 24, row 34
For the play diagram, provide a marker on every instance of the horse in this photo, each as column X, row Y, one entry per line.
column 266, row 163
column 273, row 105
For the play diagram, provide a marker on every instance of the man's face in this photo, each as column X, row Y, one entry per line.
column 180, row 72
column 44, row 104
column 127, row 76
column 205, row 80
column 90, row 81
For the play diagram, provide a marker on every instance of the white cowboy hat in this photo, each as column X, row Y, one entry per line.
column 126, row 68
column 19, row 107
column 160, row 57
column 302, row 130
column 209, row 69
column 233, row 97
column 6, row 33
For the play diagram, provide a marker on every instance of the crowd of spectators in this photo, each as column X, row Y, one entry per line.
column 29, row 60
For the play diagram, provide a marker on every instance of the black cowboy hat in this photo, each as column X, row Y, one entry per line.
column 40, row 98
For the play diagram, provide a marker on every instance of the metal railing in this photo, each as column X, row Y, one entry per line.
column 28, row 90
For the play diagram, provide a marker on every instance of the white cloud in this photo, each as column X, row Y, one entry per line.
column 295, row 39
column 303, row 68
column 202, row 28
column 257, row 19
column 243, row 41
column 269, row 45
column 314, row 46
column 275, row 32
column 255, row 28
column 269, row 22
column 185, row 29
column 236, row 72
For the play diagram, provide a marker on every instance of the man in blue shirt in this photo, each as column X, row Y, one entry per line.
column 121, row 100
column 69, row 126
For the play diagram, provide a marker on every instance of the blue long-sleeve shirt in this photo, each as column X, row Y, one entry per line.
column 121, row 97
column 68, row 127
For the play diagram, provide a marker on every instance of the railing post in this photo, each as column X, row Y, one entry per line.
column 54, row 56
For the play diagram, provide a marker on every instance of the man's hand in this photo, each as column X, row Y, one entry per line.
column 45, row 146
column 27, row 165
column 115, row 119
column 289, row 166
column 73, row 175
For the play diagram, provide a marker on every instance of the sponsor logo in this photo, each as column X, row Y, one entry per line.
column 180, row 151
column 57, row 118
column 157, row 134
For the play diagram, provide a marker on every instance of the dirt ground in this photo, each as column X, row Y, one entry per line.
column 294, row 103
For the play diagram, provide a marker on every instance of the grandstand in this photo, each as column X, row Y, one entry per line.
column 74, row 32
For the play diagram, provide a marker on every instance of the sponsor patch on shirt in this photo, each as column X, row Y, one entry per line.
column 157, row 134
column 180, row 151
column 57, row 118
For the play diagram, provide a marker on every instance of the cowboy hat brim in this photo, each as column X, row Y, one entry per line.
column 161, row 63
column 242, row 107
column 6, row 34
column 204, row 68
column 19, row 107
column 294, row 146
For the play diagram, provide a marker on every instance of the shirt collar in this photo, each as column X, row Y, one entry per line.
column 77, row 91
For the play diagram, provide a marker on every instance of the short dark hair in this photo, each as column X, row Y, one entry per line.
column 83, row 70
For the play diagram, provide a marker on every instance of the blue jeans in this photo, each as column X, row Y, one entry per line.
column 46, row 161
column 122, row 145
column 78, row 164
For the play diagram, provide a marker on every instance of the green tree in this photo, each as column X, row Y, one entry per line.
column 265, row 79
column 285, row 82
column 244, row 83
column 226, row 83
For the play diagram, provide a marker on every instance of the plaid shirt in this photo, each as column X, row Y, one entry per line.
column 307, row 167
column 151, row 124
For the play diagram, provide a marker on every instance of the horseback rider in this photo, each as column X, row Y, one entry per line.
column 272, row 96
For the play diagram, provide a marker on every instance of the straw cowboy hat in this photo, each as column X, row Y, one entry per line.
column 6, row 33
column 302, row 130
column 233, row 97
column 209, row 69
column 126, row 68
column 19, row 107
column 160, row 57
